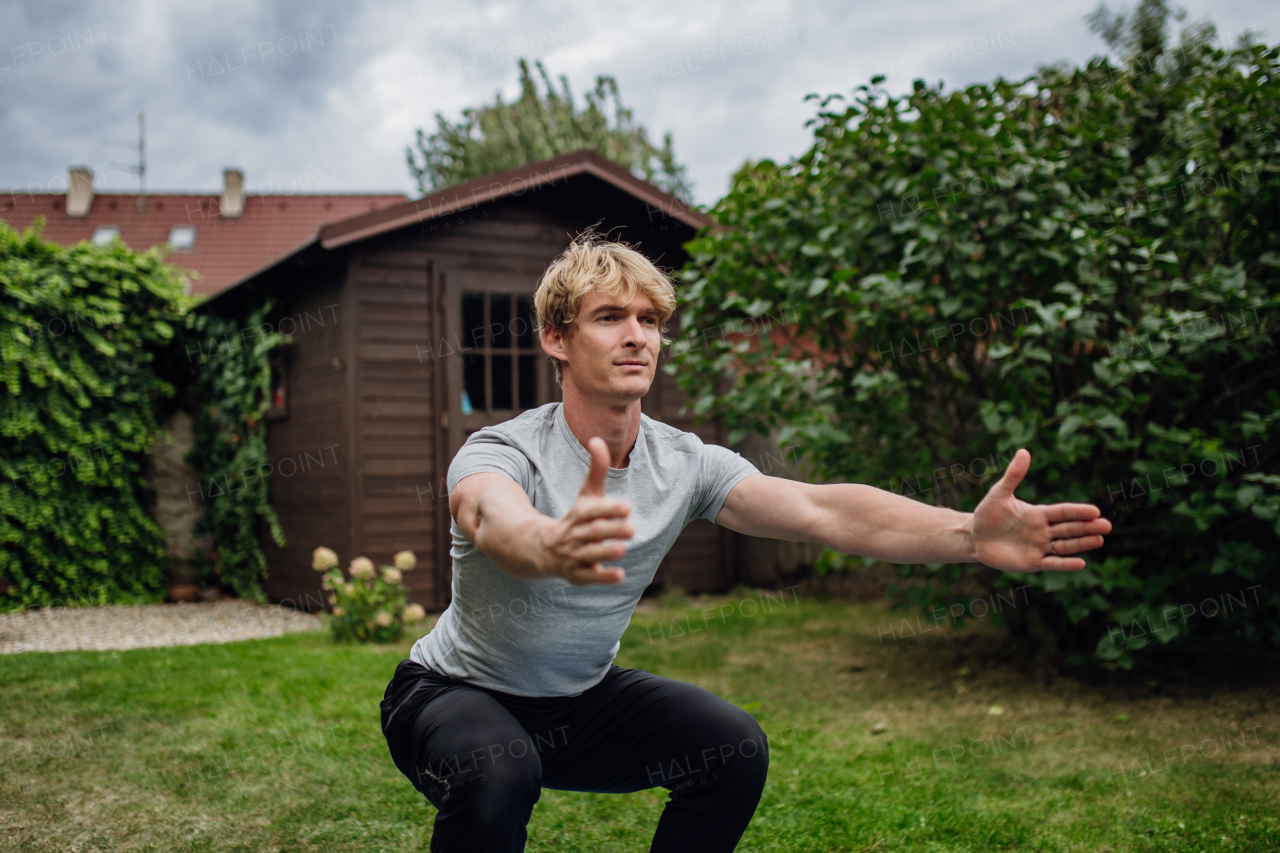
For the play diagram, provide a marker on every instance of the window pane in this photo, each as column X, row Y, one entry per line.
column 523, row 325
column 502, row 382
column 528, row 381
column 277, row 384
column 473, row 324
column 182, row 237
column 500, row 319
column 104, row 234
column 473, row 383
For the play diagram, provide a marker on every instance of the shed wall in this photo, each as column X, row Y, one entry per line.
column 395, row 413
column 310, row 454
column 376, row 389
column 405, row 360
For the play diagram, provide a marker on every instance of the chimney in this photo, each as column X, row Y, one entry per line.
column 79, row 191
column 232, row 202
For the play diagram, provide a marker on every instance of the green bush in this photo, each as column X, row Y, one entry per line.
column 81, row 329
column 370, row 607
column 1083, row 263
column 230, row 369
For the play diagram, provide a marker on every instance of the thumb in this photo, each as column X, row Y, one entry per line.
column 1018, row 468
column 594, row 483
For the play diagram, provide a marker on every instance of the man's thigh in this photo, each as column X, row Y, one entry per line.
column 636, row 730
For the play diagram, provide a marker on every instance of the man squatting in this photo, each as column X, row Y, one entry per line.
column 485, row 713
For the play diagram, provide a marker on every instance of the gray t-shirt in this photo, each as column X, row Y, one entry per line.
column 547, row 637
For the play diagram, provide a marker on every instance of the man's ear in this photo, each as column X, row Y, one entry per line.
column 553, row 342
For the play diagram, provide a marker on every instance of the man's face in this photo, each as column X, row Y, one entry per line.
column 612, row 354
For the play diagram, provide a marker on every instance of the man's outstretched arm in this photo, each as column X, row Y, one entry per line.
column 1002, row 532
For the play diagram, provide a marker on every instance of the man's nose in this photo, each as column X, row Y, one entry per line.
column 635, row 332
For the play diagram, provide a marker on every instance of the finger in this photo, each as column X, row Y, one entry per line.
column 1071, row 512
column 1051, row 563
column 592, row 507
column 1075, row 546
column 594, row 574
column 1018, row 468
column 597, row 552
column 1072, row 529
column 594, row 483
column 607, row 528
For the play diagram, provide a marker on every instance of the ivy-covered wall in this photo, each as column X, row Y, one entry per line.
column 98, row 345
column 82, row 332
column 229, row 358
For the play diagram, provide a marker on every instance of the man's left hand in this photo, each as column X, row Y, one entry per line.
column 1015, row 536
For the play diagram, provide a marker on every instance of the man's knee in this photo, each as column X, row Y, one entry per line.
column 487, row 807
column 498, row 794
column 748, row 746
column 494, row 790
column 731, row 747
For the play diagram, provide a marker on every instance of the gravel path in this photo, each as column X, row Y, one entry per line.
column 60, row 629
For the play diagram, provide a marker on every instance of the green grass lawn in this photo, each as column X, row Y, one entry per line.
column 275, row 745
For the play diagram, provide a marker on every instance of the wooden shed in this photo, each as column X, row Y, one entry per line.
column 411, row 329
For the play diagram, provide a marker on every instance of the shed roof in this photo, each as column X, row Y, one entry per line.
column 513, row 182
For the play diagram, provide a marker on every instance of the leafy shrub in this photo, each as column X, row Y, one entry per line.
column 369, row 608
column 1083, row 263
column 81, row 329
column 230, row 374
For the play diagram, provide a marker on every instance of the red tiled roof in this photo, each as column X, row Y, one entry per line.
column 225, row 251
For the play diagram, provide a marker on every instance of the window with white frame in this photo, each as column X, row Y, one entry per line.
column 182, row 238
column 104, row 234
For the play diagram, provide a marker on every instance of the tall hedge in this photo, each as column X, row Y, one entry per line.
column 1083, row 263
column 80, row 331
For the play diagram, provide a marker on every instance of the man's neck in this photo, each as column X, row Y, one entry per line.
column 618, row 425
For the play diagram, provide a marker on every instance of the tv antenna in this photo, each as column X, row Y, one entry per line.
column 141, row 168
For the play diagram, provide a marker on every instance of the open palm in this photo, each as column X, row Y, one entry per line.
column 1015, row 536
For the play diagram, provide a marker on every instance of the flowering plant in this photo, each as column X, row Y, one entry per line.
column 369, row 608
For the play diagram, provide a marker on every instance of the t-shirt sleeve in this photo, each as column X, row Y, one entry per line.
column 488, row 452
column 719, row 471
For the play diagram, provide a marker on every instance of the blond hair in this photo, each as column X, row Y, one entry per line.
column 592, row 263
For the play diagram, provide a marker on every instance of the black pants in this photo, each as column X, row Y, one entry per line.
column 482, row 757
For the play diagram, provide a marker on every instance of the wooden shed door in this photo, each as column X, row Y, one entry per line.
column 500, row 369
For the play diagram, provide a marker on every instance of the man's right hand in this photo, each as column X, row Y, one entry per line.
column 574, row 547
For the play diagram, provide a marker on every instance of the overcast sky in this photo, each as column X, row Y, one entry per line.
column 323, row 96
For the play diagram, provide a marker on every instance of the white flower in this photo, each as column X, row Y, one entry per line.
column 338, row 611
column 383, row 618
column 390, row 575
column 332, row 600
column 405, row 561
column 322, row 558
column 414, row 613
column 362, row 567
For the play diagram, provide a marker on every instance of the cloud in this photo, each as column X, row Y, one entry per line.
column 288, row 87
